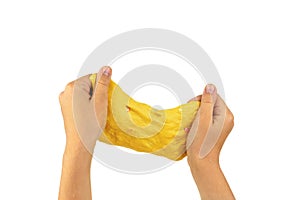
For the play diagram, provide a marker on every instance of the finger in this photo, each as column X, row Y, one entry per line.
column 208, row 100
column 102, row 81
column 100, row 96
column 83, row 83
column 219, row 110
column 197, row 98
column 203, row 118
column 209, row 95
column 187, row 130
column 214, row 132
column 69, row 87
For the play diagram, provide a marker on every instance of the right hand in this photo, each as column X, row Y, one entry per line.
column 212, row 125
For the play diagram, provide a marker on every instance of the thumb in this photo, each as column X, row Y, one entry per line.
column 208, row 101
column 203, row 119
column 103, row 80
column 100, row 96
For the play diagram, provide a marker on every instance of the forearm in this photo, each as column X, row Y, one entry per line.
column 212, row 183
column 75, row 178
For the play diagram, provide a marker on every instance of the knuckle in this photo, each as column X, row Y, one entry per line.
column 230, row 118
column 102, row 87
column 104, row 81
column 206, row 99
column 69, row 85
column 60, row 97
column 69, row 88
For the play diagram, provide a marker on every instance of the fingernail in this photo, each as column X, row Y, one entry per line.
column 210, row 88
column 186, row 130
column 107, row 71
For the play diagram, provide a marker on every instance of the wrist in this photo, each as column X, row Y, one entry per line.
column 202, row 166
column 77, row 144
column 76, row 152
column 211, row 160
column 202, row 169
column 204, row 172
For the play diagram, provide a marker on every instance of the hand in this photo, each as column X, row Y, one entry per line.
column 212, row 125
column 85, row 112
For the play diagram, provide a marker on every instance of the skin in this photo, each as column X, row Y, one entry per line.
column 75, row 179
column 214, row 118
column 82, row 133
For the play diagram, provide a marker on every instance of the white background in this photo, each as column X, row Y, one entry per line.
column 254, row 44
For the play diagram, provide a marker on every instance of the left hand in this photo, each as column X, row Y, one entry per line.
column 85, row 113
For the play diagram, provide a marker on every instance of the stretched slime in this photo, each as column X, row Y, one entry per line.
column 143, row 128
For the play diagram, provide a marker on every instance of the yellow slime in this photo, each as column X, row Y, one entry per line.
column 140, row 127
